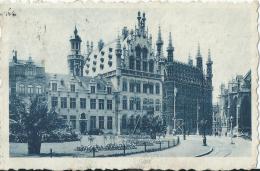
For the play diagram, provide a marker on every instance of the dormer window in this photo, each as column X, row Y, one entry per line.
column 109, row 90
column 93, row 89
column 72, row 87
column 110, row 49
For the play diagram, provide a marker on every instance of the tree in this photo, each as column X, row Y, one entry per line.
column 35, row 120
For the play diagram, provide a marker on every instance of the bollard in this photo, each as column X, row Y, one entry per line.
column 160, row 145
column 168, row 144
column 124, row 149
column 51, row 152
column 93, row 150
column 144, row 146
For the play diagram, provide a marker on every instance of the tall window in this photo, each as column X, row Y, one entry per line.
column 157, row 89
column 109, row 90
column 72, row 103
column 101, row 104
column 124, row 85
column 151, row 88
column 73, row 121
column 22, row 89
column 101, row 122
column 124, row 122
column 138, row 87
column 132, row 87
column 131, row 104
column 138, row 65
column 92, row 122
column 109, row 122
column 124, row 103
column 54, row 101
column 131, row 63
column 145, row 51
column 93, row 89
column 39, row 89
column 145, row 103
column 109, row 104
column 54, row 86
column 30, row 71
column 63, row 101
column 138, row 104
column 144, row 66
column 83, row 103
column 72, row 87
column 145, row 88
column 157, row 105
column 92, row 103
column 151, row 67
column 138, row 51
column 30, row 89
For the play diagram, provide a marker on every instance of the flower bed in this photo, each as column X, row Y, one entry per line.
column 108, row 147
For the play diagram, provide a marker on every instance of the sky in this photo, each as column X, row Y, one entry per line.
column 227, row 29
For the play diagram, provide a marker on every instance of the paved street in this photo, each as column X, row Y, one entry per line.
column 192, row 147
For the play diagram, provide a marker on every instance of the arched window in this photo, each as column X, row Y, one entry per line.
column 145, row 52
column 138, row 51
column 138, row 65
column 82, row 116
column 131, row 62
column 151, row 66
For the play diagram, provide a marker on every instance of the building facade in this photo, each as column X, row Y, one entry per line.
column 235, row 103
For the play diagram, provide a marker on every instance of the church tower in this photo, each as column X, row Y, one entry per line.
column 199, row 59
column 170, row 50
column 209, row 68
column 75, row 59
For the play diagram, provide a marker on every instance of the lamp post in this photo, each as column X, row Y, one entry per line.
column 203, row 124
column 174, row 109
column 231, row 129
column 197, row 132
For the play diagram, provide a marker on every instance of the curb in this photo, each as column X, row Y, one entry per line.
column 204, row 154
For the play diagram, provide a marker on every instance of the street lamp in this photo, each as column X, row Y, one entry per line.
column 231, row 129
column 174, row 113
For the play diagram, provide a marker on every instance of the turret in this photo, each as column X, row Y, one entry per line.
column 75, row 59
column 118, row 52
column 159, row 43
column 170, row 49
column 199, row 59
column 209, row 67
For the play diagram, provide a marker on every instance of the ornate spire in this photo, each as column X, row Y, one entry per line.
column 170, row 47
column 198, row 52
column 75, row 31
column 209, row 56
column 159, row 40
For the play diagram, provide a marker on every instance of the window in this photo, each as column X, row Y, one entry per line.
column 157, row 105
column 73, row 121
column 124, row 122
column 109, row 104
column 132, row 87
column 63, row 102
column 124, row 85
column 131, row 104
column 110, row 49
column 138, row 87
column 145, row 53
column 101, row 122
column 138, row 104
column 38, row 89
column 30, row 71
column 109, row 90
column 83, row 103
column 124, row 103
column 145, row 101
column 151, row 88
column 72, row 87
column 151, row 66
column 93, row 89
column 30, row 89
column 92, row 103
column 144, row 88
column 109, row 122
column 54, row 101
column 138, row 65
column 54, row 86
column 101, row 104
column 144, row 66
column 138, row 51
column 22, row 89
column 72, row 103
column 131, row 63
column 157, row 89
column 92, row 122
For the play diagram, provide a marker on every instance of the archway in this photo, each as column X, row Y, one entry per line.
column 245, row 115
column 83, row 123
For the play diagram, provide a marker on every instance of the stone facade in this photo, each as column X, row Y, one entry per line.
column 235, row 101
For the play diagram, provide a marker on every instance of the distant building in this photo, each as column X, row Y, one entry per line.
column 235, row 102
